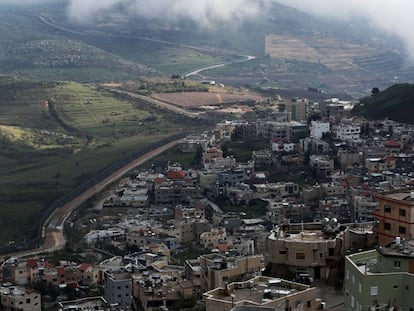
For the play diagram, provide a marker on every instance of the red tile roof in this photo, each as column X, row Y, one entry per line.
column 84, row 266
column 60, row 270
column 392, row 143
column 32, row 263
column 176, row 175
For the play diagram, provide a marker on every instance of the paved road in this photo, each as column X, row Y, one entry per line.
column 237, row 59
column 243, row 59
column 54, row 238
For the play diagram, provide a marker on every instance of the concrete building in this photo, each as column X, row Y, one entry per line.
column 317, row 129
column 279, row 146
column 260, row 292
column 217, row 270
column 262, row 159
column 380, row 279
column 118, row 289
column 314, row 252
column 314, row 146
column 277, row 190
column 209, row 155
column 378, row 165
column 13, row 298
column 321, row 165
column 285, row 130
column 175, row 192
column 395, row 216
column 348, row 132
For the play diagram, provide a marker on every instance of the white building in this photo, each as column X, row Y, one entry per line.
column 317, row 129
column 278, row 146
column 348, row 132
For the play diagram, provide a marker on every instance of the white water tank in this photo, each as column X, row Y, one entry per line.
column 398, row 240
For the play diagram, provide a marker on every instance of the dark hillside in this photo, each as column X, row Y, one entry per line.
column 395, row 103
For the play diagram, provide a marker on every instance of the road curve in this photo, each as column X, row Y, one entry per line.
column 53, row 229
column 243, row 59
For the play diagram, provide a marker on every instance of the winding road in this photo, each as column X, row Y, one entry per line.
column 236, row 60
column 53, row 235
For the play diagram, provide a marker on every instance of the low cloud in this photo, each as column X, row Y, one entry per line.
column 393, row 17
column 206, row 13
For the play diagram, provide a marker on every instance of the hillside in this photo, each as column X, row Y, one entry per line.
column 55, row 135
column 395, row 103
column 47, row 56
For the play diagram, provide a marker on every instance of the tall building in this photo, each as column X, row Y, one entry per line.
column 395, row 216
column 381, row 279
column 118, row 289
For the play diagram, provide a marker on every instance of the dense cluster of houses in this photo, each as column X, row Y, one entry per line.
column 326, row 210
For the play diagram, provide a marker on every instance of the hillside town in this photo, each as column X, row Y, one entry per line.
column 325, row 204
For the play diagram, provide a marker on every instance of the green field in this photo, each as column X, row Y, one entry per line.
column 45, row 154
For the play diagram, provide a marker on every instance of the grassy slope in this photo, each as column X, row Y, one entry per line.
column 395, row 103
column 37, row 166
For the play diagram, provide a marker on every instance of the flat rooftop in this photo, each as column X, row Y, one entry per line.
column 305, row 235
column 259, row 290
column 402, row 196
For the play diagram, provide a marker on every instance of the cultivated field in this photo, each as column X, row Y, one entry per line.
column 199, row 99
column 333, row 53
column 54, row 136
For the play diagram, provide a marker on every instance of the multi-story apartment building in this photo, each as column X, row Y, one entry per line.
column 285, row 130
column 175, row 192
column 260, row 292
column 317, row 129
column 348, row 132
column 315, row 252
column 118, row 289
column 395, row 216
column 321, row 165
column 217, row 270
column 380, row 279
column 18, row 298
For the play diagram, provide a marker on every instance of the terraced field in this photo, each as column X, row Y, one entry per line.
column 198, row 99
column 54, row 136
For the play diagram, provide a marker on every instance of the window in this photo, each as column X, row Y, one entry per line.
column 387, row 226
column 282, row 252
column 300, row 255
column 387, row 208
column 308, row 304
column 28, row 300
column 402, row 230
column 403, row 212
column 360, row 287
column 374, row 290
column 397, row 264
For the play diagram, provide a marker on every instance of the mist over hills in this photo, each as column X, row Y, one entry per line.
column 119, row 43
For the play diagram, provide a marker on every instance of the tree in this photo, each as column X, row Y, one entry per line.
column 375, row 91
